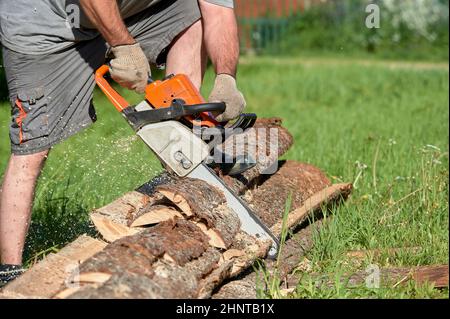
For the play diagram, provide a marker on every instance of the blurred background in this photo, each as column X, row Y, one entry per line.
column 411, row 29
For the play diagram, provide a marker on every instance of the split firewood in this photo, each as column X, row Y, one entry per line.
column 150, row 275
column 315, row 203
column 215, row 238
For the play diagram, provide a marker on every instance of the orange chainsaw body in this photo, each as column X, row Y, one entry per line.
column 160, row 94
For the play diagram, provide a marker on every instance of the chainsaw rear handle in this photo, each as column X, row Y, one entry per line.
column 196, row 109
column 116, row 99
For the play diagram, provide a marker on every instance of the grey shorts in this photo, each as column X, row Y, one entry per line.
column 51, row 95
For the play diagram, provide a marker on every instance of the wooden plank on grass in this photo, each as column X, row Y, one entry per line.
column 48, row 276
column 313, row 204
column 358, row 256
column 437, row 275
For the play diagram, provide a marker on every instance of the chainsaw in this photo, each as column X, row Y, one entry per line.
column 169, row 120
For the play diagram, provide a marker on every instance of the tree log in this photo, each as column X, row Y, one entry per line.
column 250, row 178
column 298, row 180
column 294, row 248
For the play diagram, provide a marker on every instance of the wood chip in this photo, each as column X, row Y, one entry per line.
column 156, row 216
column 93, row 278
column 111, row 231
column 232, row 254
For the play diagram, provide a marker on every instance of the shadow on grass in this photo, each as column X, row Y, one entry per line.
column 56, row 221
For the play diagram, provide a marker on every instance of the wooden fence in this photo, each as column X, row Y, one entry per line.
column 262, row 23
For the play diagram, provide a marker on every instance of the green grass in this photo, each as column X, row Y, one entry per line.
column 384, row 129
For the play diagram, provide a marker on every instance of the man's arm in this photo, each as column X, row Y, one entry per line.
column 221, row 41
column 129, row 66
column 221, row 37
column 105, row 15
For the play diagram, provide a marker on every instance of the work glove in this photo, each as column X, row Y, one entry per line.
column 130, row 67
column 225, row 90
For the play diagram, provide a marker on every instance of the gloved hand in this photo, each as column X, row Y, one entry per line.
column 225, row 90
column 130, row 67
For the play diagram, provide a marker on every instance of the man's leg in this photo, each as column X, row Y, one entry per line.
column 187, row 54
column 16, row 202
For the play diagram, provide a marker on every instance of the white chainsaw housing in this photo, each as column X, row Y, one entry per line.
column 175, row 145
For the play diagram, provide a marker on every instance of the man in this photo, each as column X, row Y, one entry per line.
column 49, row 61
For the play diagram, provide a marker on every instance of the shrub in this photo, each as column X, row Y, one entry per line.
column 408, row 29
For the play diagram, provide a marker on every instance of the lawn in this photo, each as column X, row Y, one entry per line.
column 383, row 128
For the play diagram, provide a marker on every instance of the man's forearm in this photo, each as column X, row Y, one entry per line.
column 221, row 37
column 105, row 15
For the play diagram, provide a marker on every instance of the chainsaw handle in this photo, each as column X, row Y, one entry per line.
column 116, row 99
column 194, row 109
